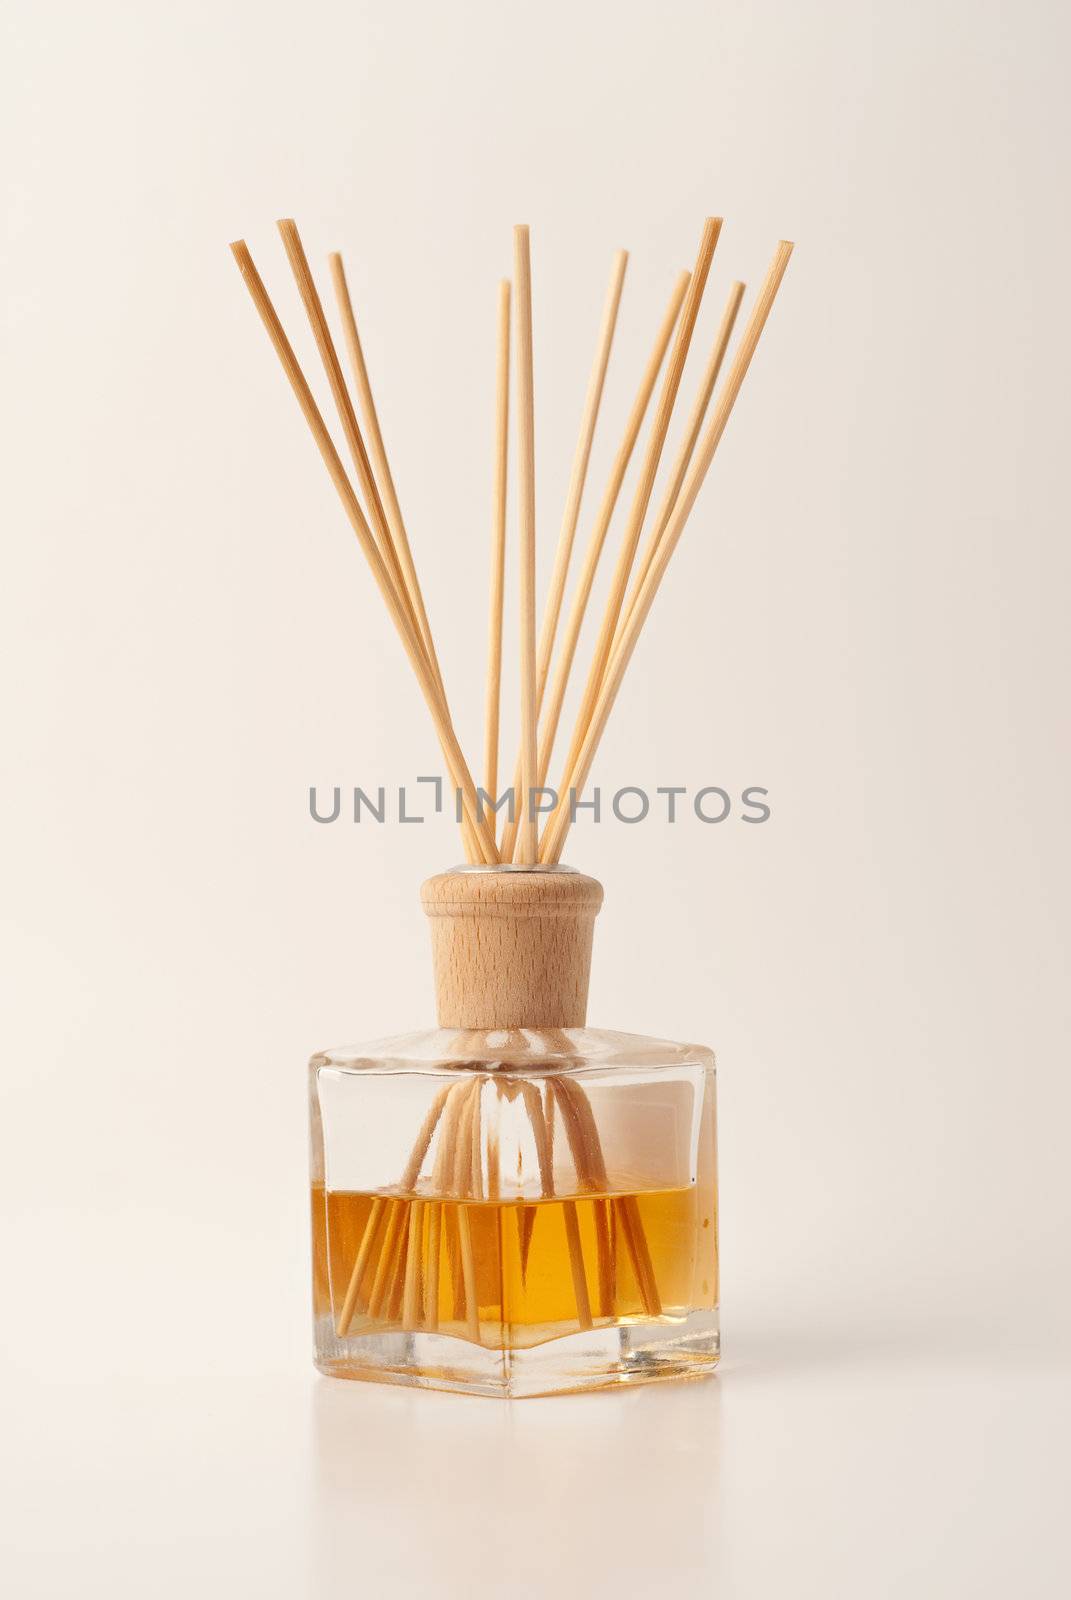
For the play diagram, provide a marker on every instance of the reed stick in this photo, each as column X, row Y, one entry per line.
column 380, row 461
column 541, row 1123
column 552, row 708
column 560, row 818
column 624, row 1208
column 463, row 1185
column 526, row 1216
column 591, row 1169
column 468, row 1269
column 628, row 1212
column 586, row 1150
column 392, row 1304
column 393, row 1242
column 385, row 532
column 455, row 760
column 494, row 1162
column 399, row 538
column 550, row 1127
column 528, row 837
column 571, row 515
column 543, row 1130
column 459, row 1169
column 423, row 1139
column 476, row 1151
column 414, row 1298
column 687, row 445
column 576, row 1263
column 533, row 1105
column 498, row 551
column 645, row 486
column 349, row 1304
column 604, row 1254
column 347, row 416
column 431, row 1276
column 408, row 1282
column 443, row 1175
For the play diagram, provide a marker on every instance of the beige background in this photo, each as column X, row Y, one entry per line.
column 867, row 616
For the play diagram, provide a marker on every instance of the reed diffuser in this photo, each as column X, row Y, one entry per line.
column 513, row 1203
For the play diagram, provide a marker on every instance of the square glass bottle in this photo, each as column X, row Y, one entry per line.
column 513, row 1203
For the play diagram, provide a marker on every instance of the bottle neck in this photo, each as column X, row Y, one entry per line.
column 511, row 947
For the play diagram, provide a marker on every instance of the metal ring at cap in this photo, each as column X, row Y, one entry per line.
column 512, row 866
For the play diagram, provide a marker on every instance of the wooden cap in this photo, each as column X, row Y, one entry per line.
column 512, row 949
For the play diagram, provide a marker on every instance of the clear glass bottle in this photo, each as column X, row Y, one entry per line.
column 513, row 1203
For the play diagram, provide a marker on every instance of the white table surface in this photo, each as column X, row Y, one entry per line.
column 917, row 1459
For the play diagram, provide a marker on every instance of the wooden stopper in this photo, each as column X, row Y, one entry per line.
column 511, row 949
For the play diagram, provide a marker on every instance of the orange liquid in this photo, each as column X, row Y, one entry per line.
column 511, row 1273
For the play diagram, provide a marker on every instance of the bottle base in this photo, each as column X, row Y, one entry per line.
column 600, row 1358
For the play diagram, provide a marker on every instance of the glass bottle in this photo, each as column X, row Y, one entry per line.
column 514, row 1203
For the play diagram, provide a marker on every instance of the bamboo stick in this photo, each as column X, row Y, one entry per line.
column 644, row 488
column 452, row 752
column 571, row 515
column 560, row 818
column 498, row 551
